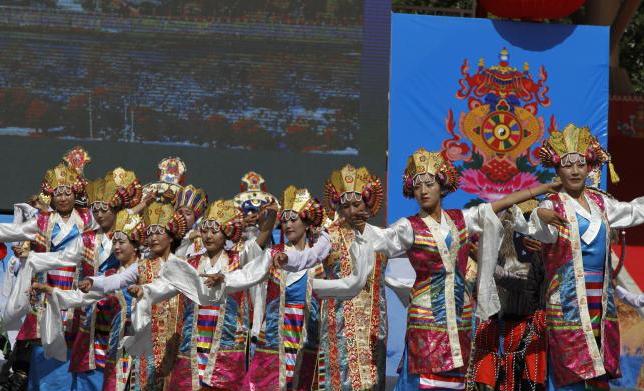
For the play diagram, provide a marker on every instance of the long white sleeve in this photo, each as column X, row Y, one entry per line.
column 18, row 302
column 18, row 232
column 310, row 256
column 107, row 284
column 400, row 277
column 624, row 214
column 52, row 335
column 481, row 219
column 252, row 273
column 393, row 241
column 363, row 259
column 632, row 299
column 250, row 251
column 534, row 227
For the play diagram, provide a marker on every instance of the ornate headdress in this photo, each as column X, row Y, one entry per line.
column 172, row 175
column 163, row 215
column 62, row 175
column 131, row 225
column 575, row 140
column 253, row 193
column 432, row 163
column 119, row 189
column 77, row 158
column 348, row 181
column 301, row 202
column 194, row 198
column 228, row 218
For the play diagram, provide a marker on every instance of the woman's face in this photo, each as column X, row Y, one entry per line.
column 63, row 199
column 294, row 229
column 124, row 249
column 213, row 239
column 427, row 194
column 353, row 211
column 159, row 240
column 104, row 215
column 573, row 172
column 188, row 214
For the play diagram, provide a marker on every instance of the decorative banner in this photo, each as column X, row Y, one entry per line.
column 487, row 93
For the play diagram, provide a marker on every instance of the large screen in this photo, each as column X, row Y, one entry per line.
column 291, row 89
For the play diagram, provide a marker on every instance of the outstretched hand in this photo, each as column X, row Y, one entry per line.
column 136, row 291
column 267, row 217
column 213, row 280
column 85, row 285
column 279, row 260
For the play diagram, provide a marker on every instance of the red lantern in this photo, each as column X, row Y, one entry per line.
column 531, row 9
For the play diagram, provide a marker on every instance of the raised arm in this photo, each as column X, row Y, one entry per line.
column 107, row 284
column 624, row 214
column 310, row 256
column 524, row 195
column 248, row 275
column 393, row 241
column 362, row 258
column 18, row 232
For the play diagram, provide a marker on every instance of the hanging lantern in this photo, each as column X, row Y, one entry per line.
column 531, row 9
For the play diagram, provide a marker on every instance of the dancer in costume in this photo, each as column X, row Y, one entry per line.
column 191, row 202
column 57, row 237
column 101, row 346
column 287, row 344
column 353, row 333
column 439, row 322
column 583, row 333
column 509, row 350
column 215, row 322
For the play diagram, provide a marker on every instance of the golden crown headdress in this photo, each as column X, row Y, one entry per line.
column 434, row 163
column 119, row 188
column 193, row 198
column 131, row 225
column 578, row 140
column 301, row 202
column 62, row 175
column 226, row 214
column 163, row 214
column 351, row 180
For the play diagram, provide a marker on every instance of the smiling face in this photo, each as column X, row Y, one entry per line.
column 124, row 249
column 427, row 193
column 63, row 200
column 573, row 172
column 159, row 240
column 212, row 237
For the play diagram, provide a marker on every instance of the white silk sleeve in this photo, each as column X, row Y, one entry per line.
column 18, row 232
column 363, row 258
column 310, row 256
column 250, row 251
column 52, row 335
column 400, row 277
column 393, row 241
column 107, row 284
column 534, row 227
column 249, row 275
column 624, row 214
column 632, row 299
column 481, row 219
column 258, row 297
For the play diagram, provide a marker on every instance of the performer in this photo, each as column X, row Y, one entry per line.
column 110, row 315
column 287, row 344
column 437, row 343
column 191, row 202
column 118, row 189
column 353, row 333
column 57, row 232
column 583, row 333
column 213, row 332
column 509, row 351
